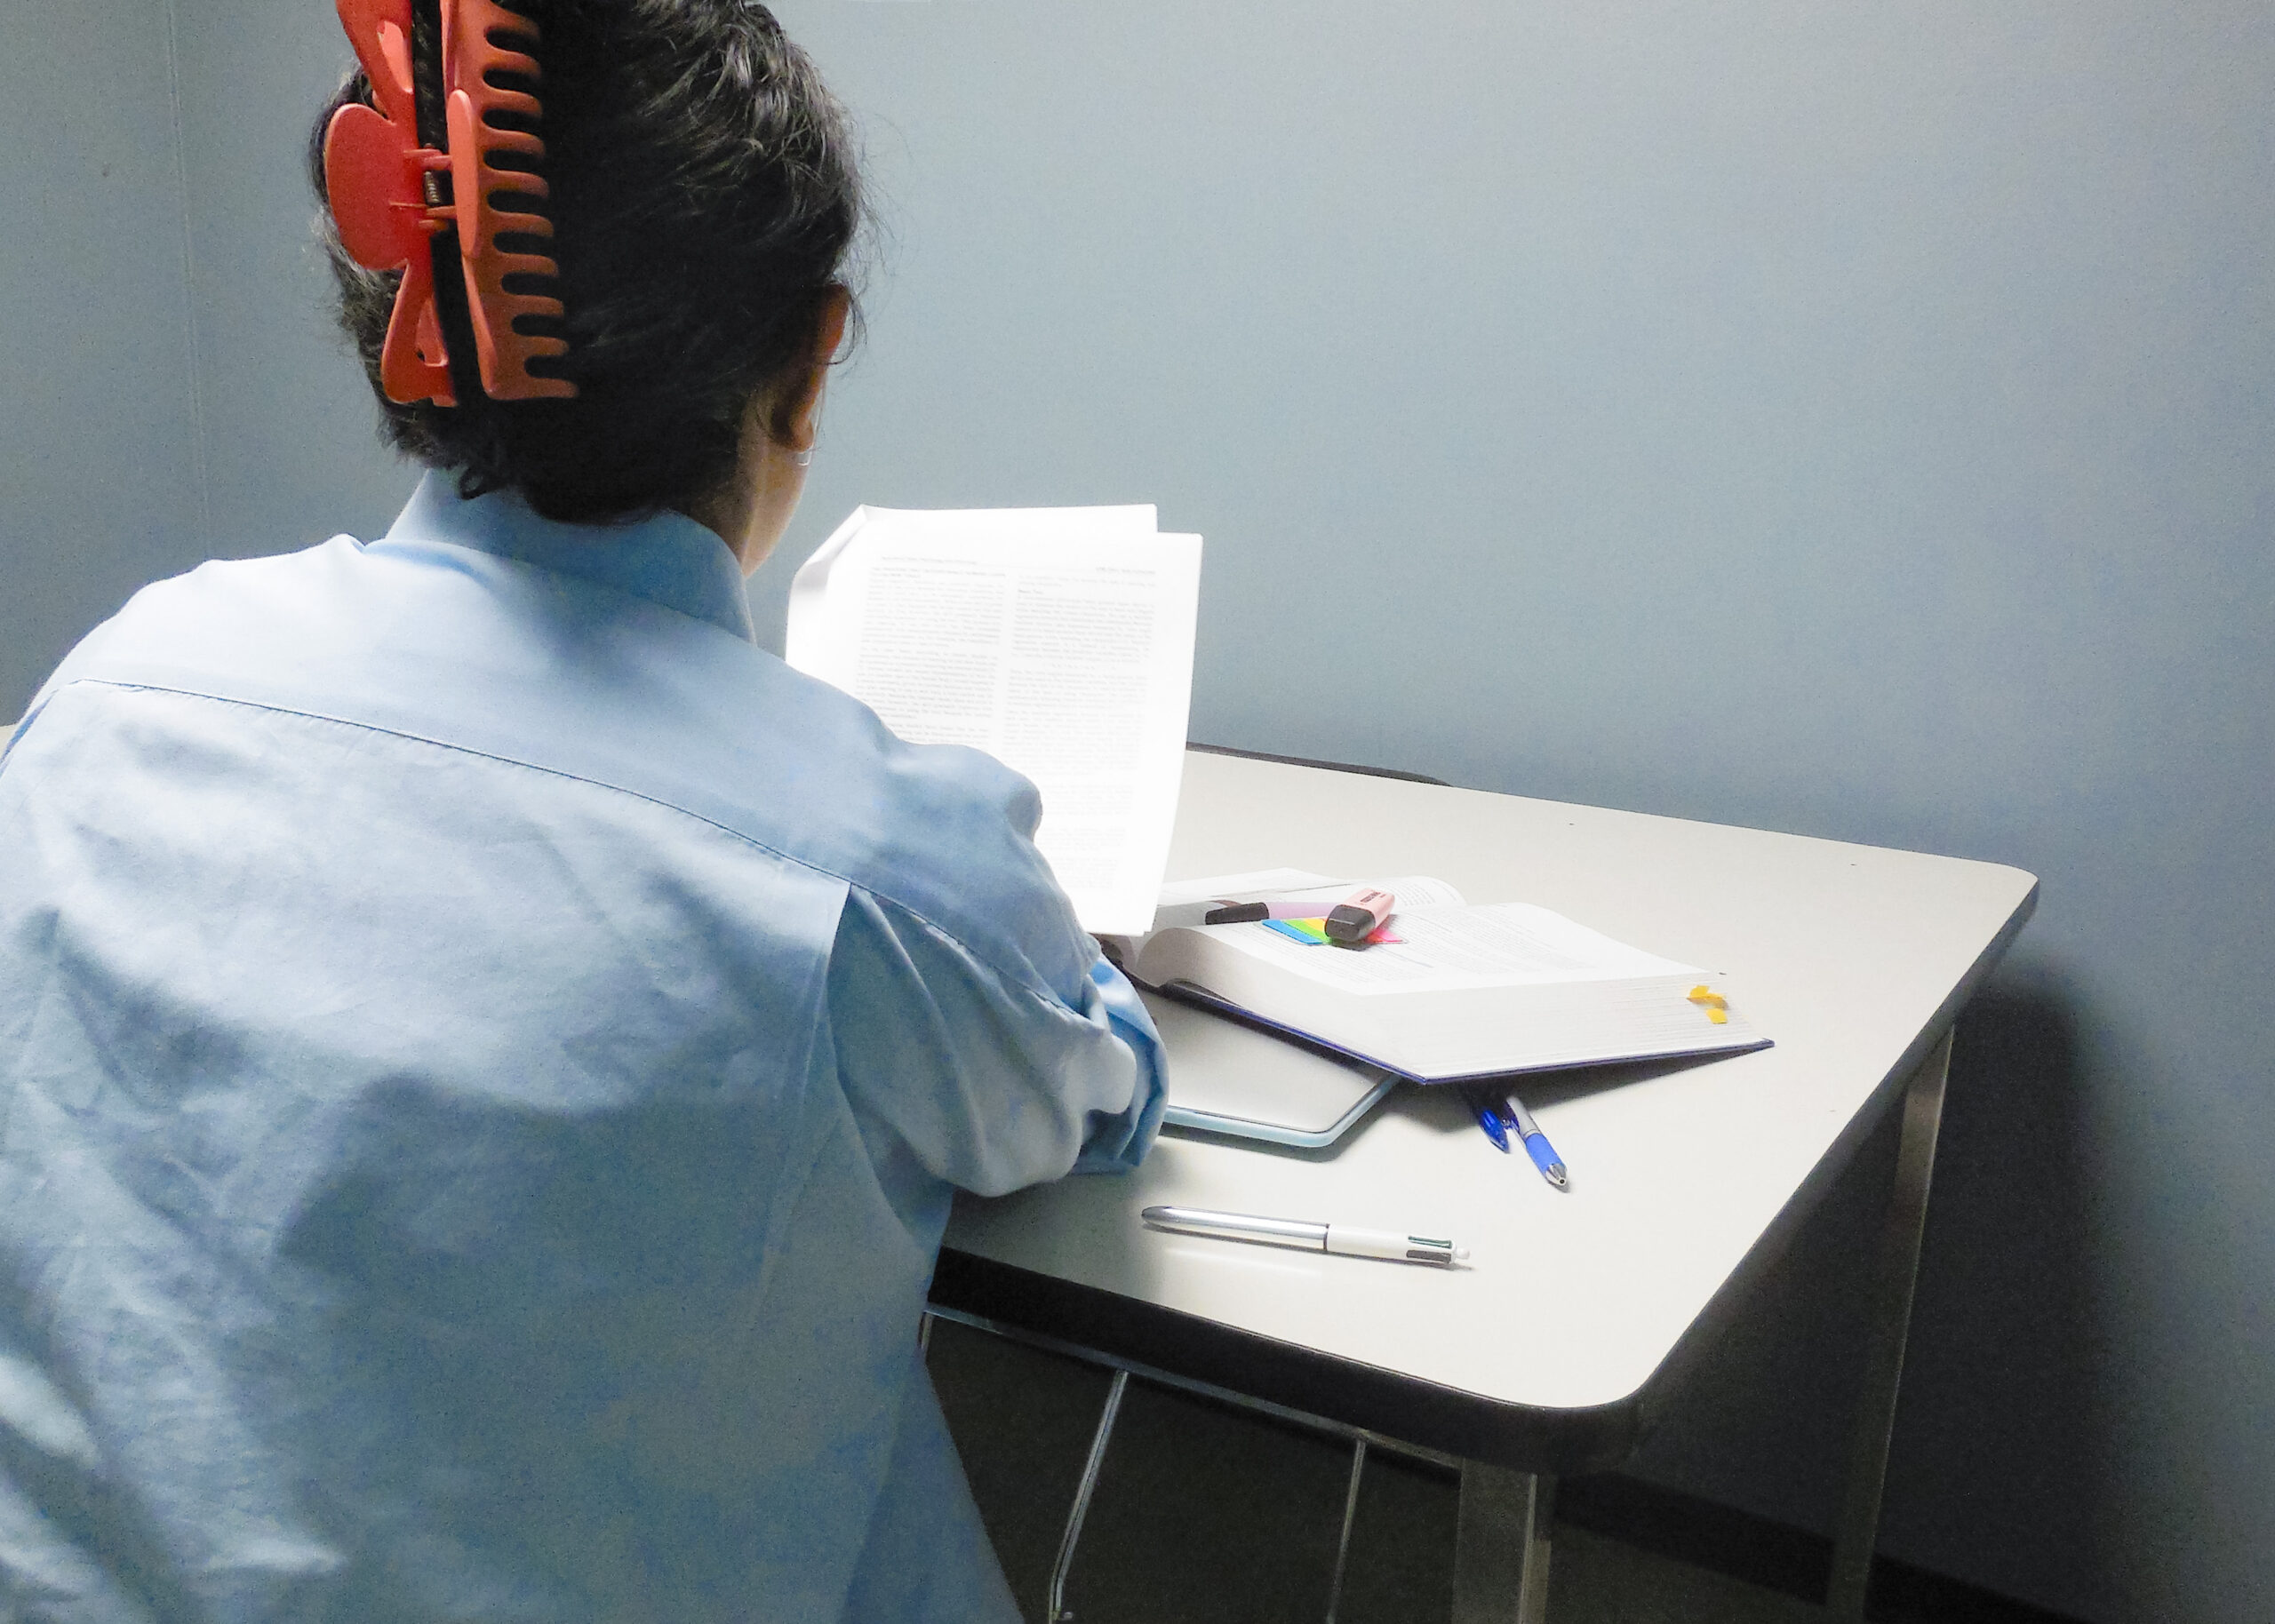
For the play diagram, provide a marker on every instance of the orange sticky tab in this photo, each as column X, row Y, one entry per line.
column 1712, row 1002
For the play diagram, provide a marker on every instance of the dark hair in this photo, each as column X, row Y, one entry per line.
column 705, row 199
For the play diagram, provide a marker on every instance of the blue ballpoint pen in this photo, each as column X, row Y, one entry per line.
column 1489, row 1120
column 1536, row 1146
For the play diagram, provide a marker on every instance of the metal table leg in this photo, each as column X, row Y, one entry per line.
column 1056, row 1610
column 1350, row 1516
column 1501, row 1546
column 1898, row 1272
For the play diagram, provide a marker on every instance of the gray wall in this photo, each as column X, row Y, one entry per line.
column 288, row 420
column 100, row 487
column 1844, row 419
column 1853, row 420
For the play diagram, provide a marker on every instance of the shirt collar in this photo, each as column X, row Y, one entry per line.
column 668, row 559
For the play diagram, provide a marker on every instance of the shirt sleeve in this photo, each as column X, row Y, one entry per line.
column 994, row 1083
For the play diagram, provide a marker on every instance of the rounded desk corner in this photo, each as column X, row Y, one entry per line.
column 1447, row 1421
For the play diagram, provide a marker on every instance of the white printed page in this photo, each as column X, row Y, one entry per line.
column 1057, row 639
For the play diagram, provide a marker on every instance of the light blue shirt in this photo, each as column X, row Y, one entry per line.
column 485, row 1054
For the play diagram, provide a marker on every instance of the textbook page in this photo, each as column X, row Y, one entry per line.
column 1462, row 992
column 1057, row 639
column 1447, row 947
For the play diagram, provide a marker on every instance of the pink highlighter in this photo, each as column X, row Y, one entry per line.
column 1358, row 916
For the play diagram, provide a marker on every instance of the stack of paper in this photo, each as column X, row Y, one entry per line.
column 1059, row 639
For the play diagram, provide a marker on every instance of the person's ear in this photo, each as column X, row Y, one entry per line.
column 797, row 415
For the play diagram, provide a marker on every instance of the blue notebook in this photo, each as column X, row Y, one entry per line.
column 1228, row 1077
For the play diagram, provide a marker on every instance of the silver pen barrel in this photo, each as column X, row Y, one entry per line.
column 1238, row 1226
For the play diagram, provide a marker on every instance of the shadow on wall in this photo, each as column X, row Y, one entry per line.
column 1999, row 1368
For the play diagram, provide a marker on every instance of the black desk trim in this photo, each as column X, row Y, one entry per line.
column 1332, row 767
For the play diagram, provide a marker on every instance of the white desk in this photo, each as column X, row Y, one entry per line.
column 1556, row 1348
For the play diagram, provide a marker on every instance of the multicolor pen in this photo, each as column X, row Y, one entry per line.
column 1536, row 1146
column 1229, row 912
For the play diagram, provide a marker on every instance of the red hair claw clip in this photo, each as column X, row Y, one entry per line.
column 385, row 193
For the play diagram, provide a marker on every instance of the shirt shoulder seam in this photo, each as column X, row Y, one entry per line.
column 807, row 863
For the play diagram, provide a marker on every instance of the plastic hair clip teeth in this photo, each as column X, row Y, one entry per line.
column 388, row 198
column 474, row 47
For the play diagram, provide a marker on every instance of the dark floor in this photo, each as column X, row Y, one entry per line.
column 1206, row 1514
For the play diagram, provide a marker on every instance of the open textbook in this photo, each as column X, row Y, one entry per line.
column 1059, row 639
column 1461, row 991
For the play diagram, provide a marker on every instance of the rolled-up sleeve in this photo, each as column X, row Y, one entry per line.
column 993, row 1082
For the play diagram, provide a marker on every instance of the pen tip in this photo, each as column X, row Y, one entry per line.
column 1556, row 1177
column 1461, row 1254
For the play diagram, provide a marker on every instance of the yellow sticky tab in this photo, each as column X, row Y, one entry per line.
column 1712, row 1002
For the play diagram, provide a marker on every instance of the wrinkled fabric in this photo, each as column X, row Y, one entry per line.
column 485, row 1055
